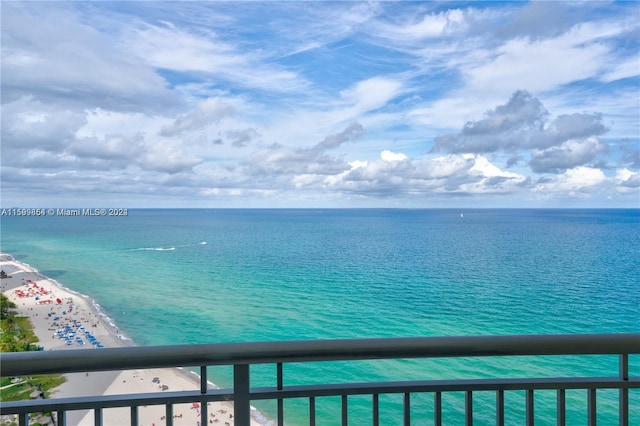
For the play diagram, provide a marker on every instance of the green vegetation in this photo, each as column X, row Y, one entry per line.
column 28, row 385
column 16, row 335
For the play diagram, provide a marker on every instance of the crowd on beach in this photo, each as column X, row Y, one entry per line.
column 63, row 319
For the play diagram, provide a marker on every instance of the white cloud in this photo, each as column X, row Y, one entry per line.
column 444, row 167
column 51, row 53
column 546, row 62
column 101, row 122
column 568, row 155
column 537, row 65
column 371, row 94
column 573, row 181
column 435, row 24
column 117, row 148
column 29, row 123
column 351, row 133
column 170, row 48
column 333, row 113
column 207, row 112
column 168, row 157
column 625, row 69
column 398, row 175
column 315, row 26
column 390, row 156
column 483, row 167
column 627, row 181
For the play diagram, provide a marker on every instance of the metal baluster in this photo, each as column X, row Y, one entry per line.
column 134, row 415
column 500, row 407
column 468, row 408
column 169, row 414
column 530, row 416
column 562, row 417
column 437, row 409
column 204, row 410
column 624, row 393
column 591, row 406
column 345, row 411
column 97, row 416
column 204, row 407
column 61, row 418
column 407, row 409
column 280, row 384
column 376, row 409
column 312, row 411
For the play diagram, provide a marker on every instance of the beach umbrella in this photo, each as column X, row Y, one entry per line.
column 196, row 405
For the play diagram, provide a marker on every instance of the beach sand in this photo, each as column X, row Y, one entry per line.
column 57, row 312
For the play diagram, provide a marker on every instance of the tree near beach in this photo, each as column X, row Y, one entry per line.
column 16, row 331
column 16, row 335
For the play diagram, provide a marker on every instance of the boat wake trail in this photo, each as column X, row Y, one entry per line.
column 171, row 248
column 167, row 248
column 155, row 249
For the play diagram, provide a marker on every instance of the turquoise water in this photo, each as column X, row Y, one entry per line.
column 315, row 274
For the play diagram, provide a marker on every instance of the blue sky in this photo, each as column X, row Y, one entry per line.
column 321, row 104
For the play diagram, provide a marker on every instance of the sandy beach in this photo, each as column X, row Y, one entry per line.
column 64, row 320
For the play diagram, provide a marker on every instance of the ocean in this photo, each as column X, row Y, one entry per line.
column 177, row 276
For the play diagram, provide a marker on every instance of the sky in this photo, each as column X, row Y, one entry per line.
column 320, row 104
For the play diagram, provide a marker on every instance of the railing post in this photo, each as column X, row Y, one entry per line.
column 241, row 398
column 203, row 379
column 280, row 385
column 204, row 405
column 624, row 393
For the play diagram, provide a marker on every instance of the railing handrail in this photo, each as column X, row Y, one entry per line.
column 127, row 358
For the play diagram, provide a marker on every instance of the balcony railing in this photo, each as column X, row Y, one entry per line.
column 242, row 355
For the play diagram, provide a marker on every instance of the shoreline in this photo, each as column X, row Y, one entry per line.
column 64, row 319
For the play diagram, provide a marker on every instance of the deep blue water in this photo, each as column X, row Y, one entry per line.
column 315, row 274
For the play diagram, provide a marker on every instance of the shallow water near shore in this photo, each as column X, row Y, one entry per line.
column 207, row 276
